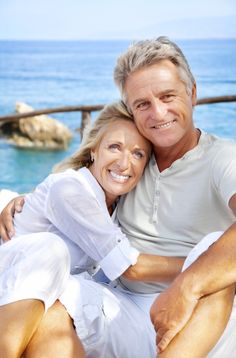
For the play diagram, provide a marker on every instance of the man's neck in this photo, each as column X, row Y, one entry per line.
column 165, row 157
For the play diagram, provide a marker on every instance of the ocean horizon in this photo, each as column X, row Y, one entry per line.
column 53, row 73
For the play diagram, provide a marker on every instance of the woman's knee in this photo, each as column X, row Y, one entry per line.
column 46, row 246
column 57, row 247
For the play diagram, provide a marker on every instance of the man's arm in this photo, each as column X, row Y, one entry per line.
column 214, row 270
column 151, row 268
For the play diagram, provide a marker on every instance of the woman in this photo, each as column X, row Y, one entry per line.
column 72, row 207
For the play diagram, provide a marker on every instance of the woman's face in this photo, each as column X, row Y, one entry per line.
column 119, row 159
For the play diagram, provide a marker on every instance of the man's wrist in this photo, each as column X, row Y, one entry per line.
column 189, row 286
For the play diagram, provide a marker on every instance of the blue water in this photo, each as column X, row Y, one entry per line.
column 50, row 74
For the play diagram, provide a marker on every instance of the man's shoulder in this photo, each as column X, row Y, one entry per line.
column 216, row 144
column 221, row 152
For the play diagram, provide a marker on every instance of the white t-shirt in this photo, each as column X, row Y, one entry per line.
column 72, row 205
column 174, row 209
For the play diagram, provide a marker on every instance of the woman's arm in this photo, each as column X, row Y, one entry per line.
column 154, row 268
column 148, row 267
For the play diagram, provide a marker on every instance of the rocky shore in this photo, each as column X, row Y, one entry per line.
column 39, row 132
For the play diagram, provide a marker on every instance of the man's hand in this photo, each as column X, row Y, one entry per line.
column 170, row 312
column 6, row 217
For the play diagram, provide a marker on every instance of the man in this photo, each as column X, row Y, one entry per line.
column 212, row 272
column 188, row 190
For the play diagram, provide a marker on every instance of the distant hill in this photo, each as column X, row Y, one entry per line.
column 190, row 28
column 210, row 27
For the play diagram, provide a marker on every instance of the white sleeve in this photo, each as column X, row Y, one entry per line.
column 77, row 213
column 224, row 172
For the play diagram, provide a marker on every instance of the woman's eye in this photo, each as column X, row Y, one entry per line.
column 114, row 147
column 138, row 154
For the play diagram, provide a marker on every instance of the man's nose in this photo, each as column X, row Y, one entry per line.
column 159, row 110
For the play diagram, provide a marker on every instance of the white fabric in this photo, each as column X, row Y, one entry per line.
column 72, row 205
column 110, row 321
column 226, row 346
column 33, row 267
column 115, row 323
column 190, row 200
column 169, row 212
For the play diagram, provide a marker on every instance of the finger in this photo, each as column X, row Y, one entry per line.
column 166, row 339
column 160, row 333
column 4, row 235
column 158, row 338
column 9, row 228
column 19, row 203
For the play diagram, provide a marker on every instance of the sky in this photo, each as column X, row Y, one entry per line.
column 116, row 19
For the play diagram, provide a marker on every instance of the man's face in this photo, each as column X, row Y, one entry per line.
column 160, row 104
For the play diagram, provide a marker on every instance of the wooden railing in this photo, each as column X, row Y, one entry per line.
column 86, row 110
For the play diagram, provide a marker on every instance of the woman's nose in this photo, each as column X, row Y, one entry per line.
column 124, row 161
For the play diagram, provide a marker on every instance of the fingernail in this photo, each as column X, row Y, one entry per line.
column 10, row 234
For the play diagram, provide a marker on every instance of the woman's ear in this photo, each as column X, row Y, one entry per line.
column 92, row 156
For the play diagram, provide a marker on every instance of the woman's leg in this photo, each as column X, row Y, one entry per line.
column 55, row 337
column 205, row 327
column 34, row 270
column 18, row 322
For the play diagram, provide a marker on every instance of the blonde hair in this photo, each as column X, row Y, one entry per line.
column 147, row 53
column 93, row 136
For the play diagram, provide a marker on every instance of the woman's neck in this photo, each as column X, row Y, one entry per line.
column 111, row 203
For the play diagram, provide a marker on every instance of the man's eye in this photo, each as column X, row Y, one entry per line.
column 167, row 97
column 142, row 106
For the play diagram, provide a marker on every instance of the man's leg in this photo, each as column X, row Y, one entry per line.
column 18, row 322
column 205, row 327
column 209, row 320
column 55, row 337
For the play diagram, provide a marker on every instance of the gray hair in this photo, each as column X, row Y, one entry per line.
column 93, row 136
column 147, row 53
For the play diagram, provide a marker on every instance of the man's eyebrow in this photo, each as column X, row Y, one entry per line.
column 161, row 93
column 137, row 101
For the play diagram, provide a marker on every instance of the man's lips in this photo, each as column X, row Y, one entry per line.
column 164, row 125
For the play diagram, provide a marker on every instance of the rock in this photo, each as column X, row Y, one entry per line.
column 40, row 132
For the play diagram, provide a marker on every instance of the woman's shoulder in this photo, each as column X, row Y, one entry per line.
column 80, row 182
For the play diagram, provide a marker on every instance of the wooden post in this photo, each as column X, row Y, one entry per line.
column 85, row 119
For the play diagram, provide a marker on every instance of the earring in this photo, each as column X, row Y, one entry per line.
column 92, row 158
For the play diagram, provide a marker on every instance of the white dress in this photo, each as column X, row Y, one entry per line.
column 64, row 227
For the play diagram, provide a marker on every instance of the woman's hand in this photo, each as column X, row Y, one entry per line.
column 6, row 217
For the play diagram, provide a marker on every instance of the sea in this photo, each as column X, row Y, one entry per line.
column 59, row 73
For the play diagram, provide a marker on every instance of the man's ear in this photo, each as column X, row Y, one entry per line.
column 194, row 94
